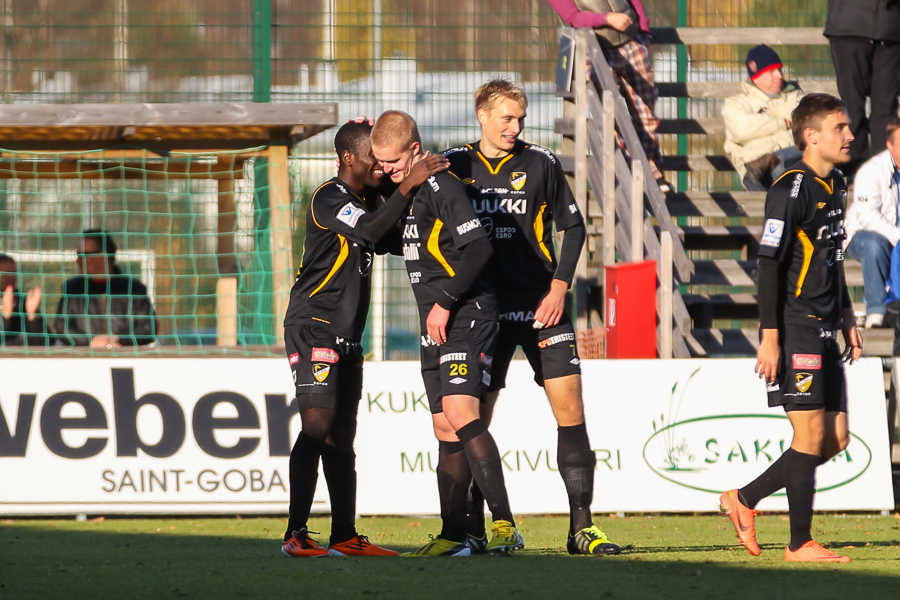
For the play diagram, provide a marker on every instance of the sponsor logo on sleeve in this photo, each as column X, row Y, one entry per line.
column 517, row 180
column 573, row 208
column 543, row 151
column 807, row 361
column 326, row 355
column 294, row 358
column 321, row 371
column 795, row 187
column 434, row 184
column 350, row 214
column 772, row 232
column 468, row 226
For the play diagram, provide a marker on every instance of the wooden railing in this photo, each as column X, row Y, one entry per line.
column 626, row 190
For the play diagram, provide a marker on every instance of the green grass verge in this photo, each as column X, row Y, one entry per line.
column 675, row 557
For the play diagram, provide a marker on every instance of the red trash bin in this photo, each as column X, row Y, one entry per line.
column 631, row 310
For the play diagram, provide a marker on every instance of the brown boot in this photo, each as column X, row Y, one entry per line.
column 760, row 170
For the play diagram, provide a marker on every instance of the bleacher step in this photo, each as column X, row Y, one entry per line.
column 742, row 273
column 716, row 204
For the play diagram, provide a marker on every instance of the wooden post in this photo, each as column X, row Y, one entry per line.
column 608, row 131
column 664, row 296
column 581, row 107
column 281, row 224
column 226, row 311
column 637, row 211
column 226, row 259
column 378, row 318
column 120, row 49
column 470, row 36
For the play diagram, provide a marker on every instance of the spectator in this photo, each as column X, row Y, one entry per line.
column 103, row 308
column 872, row 222
column 865, row 51
column 758, row 135
column 21, row 322
column 892, row 301
column 623, row 31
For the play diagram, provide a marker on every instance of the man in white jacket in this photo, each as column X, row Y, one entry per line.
column 758, row 136
column 872, row 224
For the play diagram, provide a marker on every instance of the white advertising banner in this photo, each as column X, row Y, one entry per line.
column 214, row 435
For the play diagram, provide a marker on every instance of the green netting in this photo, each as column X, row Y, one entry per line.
column 422, row 56
column 163, row 213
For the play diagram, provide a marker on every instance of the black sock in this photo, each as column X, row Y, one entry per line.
column 765, row 485
column 484, row 460
column 576, row 462
column 475, row 511
column 800, row 483
column 304, row 472
column 454, row 476
column 339, row 467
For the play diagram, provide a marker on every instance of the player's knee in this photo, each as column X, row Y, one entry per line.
column 838, row 443
column 460, row 414
column 317, row 422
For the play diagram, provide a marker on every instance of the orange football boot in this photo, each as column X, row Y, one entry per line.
column 359, row 546
column 742, row 519
column 301, row 545
column 813, row 552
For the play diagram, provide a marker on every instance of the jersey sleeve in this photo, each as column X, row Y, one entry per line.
column 334, row 210
column 562, row 201
column 784, row 203
column 453, row 207
column 350, row 218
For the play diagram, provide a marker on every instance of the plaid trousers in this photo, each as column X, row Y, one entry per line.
column 631, row 64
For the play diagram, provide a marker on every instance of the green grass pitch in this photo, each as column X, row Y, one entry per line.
column 674, row 557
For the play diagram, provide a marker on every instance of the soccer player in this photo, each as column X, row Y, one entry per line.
column 445, row 248
column 803, row 303
column 325, row 320
column 519, row 191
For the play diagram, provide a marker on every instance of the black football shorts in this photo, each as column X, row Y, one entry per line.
column 811, row 373
column 327, row 369
column 550, row 351
column 461, row 365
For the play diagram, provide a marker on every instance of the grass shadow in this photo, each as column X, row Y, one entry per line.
column 39, row 560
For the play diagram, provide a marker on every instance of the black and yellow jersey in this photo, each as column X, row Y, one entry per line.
column 518, row 198
column 333, row 285
column 804, row 232
column 440, row 223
